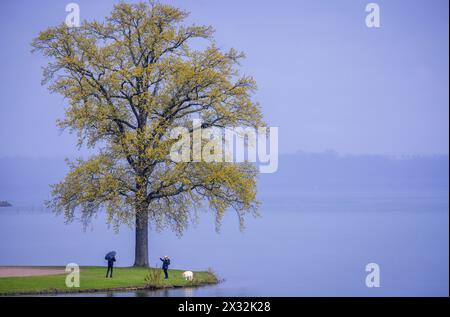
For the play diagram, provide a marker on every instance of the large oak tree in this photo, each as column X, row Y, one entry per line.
column 128, row 80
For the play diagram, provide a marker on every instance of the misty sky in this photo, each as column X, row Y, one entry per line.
column 325, row 79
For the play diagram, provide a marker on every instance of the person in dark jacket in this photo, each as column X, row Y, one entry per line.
column 111, row 261
column 165, row 266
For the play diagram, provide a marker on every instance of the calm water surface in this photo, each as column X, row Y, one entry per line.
column 312, row 244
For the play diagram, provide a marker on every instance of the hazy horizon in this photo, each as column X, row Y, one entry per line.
column 28, row 179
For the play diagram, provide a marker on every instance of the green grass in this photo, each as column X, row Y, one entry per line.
column 92, row 278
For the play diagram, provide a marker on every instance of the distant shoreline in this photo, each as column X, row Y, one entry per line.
column 5, row 203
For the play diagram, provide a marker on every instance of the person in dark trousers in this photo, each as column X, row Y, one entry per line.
column 165, row 266
column 111, row 261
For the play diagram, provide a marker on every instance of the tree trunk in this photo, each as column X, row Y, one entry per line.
column 141, row 248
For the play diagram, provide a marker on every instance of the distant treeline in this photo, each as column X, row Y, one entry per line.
column 27, row 180
column 329, row 170
column 4, row 203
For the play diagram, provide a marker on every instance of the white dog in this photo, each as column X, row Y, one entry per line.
column 188, row 275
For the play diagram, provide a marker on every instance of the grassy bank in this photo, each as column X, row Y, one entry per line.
column 92, row 278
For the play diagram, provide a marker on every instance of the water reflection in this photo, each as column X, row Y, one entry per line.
column 188, row 292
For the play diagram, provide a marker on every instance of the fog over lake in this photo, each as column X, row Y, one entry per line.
column 323, row 218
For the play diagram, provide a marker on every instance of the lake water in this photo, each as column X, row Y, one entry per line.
column 304, row 244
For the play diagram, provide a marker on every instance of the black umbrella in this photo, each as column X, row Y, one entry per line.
column 110, row 255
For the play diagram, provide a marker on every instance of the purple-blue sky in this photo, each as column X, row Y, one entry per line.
column 325, row 79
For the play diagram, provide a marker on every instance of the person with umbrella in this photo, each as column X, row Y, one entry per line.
column 165, row 266
column 111, row 258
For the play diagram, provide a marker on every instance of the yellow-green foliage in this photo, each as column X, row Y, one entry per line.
column 128, row 81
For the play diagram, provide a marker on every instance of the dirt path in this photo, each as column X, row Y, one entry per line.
column 8, row 271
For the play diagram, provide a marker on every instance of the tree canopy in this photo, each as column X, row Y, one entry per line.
column 129, row 80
